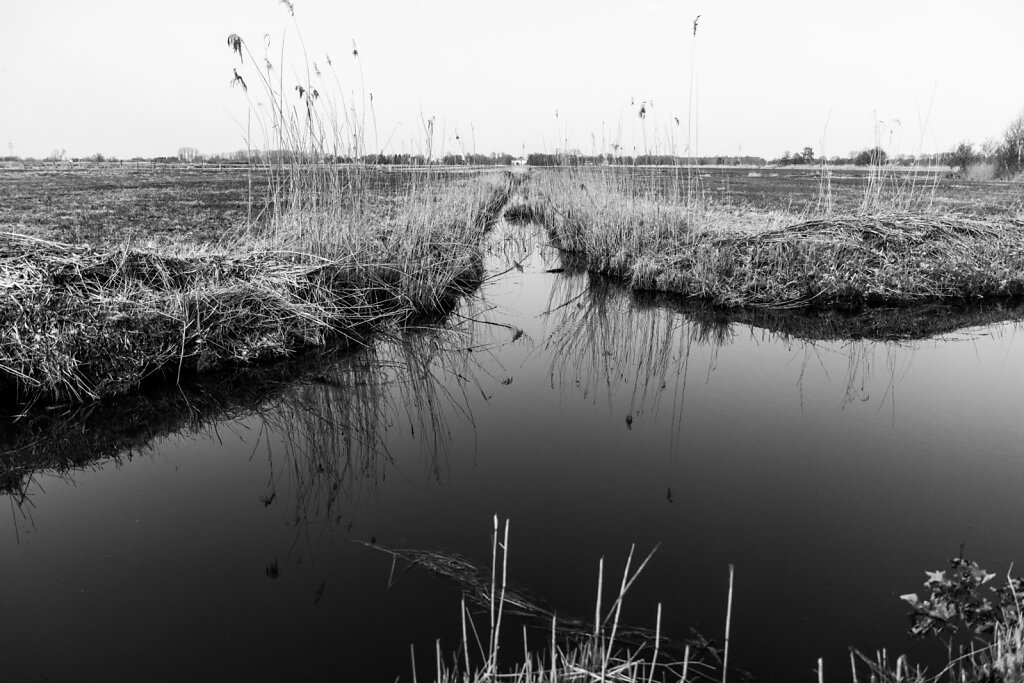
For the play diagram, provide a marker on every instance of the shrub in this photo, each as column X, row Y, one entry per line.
column 984, row 170
column 1010, row 155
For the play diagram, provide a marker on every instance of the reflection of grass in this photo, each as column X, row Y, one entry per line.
column 335, row 425
column 332, row 410
column 605, row 336
column 600, row 339
column 892, row 323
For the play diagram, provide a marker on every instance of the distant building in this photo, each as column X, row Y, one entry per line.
column 519, row 161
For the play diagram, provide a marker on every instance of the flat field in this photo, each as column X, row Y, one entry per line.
column 105, row 205
column 802, row 190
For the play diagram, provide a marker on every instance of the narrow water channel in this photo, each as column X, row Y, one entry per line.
column 210, row 533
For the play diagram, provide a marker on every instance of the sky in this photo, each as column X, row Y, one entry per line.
column 144, row 78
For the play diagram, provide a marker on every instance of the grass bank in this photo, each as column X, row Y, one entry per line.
column 78, row 323
column 891, row 251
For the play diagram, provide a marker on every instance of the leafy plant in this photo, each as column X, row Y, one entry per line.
column 962, row 597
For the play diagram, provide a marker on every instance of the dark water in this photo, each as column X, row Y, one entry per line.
column 211, row 535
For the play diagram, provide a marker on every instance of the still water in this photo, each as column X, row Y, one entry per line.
column 212, row 533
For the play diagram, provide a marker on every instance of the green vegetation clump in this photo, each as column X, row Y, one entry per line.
column 963, row 599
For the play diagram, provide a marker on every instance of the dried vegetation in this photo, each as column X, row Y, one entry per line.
column 79, row 323
column 891, row 251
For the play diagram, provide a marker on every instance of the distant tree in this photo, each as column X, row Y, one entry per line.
column 807, row 155
column 989, row 149
column 871, row 157
column 961, row 156
column 188, row 154
column 1010, row 156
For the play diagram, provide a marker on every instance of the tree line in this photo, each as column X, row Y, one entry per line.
column 875, row 156
column 1004, row 157
column 577, row 159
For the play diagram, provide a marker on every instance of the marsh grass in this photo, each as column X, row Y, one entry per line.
column 81, row 324
column 336, row 251
column 733, row 256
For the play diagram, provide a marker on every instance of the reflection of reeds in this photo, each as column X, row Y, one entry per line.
column 600, row 338
column 335, row 425
column 900, row 323
column 333, row 412
column 604, row 335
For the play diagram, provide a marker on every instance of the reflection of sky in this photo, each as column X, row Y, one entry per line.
column 831, row 475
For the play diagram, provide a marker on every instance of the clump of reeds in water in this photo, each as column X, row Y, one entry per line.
column 748, row 258
column 602, row 649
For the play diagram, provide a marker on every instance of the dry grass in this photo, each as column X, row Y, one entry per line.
column 329, row 250
column 576, row 649
column 736, row 257
column 996, row 658
column 80, row 324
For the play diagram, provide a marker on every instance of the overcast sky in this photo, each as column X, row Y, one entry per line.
column 141, row 77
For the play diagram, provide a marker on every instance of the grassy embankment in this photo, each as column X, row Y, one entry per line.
column 894, row 248
column 81, row 323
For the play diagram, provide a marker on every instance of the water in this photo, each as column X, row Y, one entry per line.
column 211, row 534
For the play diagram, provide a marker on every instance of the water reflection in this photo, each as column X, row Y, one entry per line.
column 604, row 335
column 322, row 419
column 332, row 411
column 793, row 445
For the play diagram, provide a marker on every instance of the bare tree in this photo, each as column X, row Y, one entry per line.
column 1011, row 153
column 188, row 154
